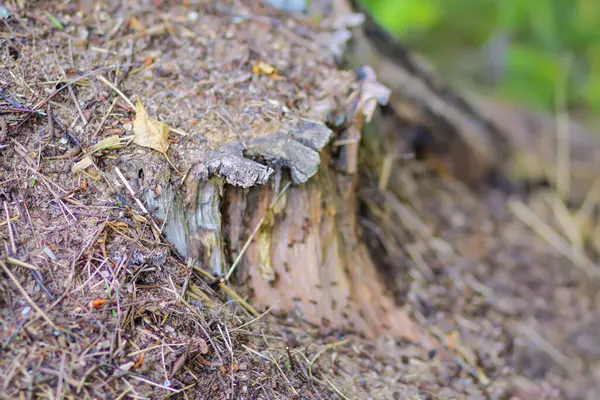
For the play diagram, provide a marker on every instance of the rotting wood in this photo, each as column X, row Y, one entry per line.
column 306, row 258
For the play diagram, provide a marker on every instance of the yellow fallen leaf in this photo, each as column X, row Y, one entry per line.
column 136, row 25
column 148, row 131
column 263, row 68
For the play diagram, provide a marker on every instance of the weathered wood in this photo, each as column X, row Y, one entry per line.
column 308, row 259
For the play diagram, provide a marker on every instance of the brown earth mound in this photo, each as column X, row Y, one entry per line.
column 119, row 262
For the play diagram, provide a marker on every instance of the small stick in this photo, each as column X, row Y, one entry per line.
column 116, row 89
column 149, row 382
column 255, row 319
column 77, row 106
column 230, row 292
column 24, row 293
column 20, row 263
column 292, row 364
column 323, row 350
column 2, row 223
column 11, row 236
column 105, row 117
column 139, row 203
column 277, row 365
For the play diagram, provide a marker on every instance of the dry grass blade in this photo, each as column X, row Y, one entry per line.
column 255, row 319
column 572, row 230
column 563, row 144
column 116, row 89
column 338, row 391
column 158, row 385
column 14, row 261
column 16, row 217
column 277, row 365
column 552, row 237
column 11, row 236
column 531, row 334
column 323, row 350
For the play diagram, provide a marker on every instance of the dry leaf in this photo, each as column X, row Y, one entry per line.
column 263, row 68
column 202, row 345
column 148, row 131
column 179, row 363
column 139, row 218
column 82, row 165
column 136, row 25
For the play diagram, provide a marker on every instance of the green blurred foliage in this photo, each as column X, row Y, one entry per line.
column 523, row 50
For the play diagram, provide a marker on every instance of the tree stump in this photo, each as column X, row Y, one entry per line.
column 274, row 190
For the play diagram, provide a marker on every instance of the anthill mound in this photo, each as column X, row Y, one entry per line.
column 96, row 303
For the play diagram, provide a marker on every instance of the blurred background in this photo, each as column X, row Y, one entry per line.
column 544, row 54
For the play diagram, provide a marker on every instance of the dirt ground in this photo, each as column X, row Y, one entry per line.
column 95, row 303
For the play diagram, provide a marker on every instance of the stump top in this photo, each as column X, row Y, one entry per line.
column 224, row 77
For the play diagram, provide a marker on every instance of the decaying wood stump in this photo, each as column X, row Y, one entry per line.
column 271, row 183
column 303, row 252
column 298, row 248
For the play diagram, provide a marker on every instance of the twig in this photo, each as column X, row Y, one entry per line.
column 61, row 377
column 335, row 388
column 20, row 263
column 229, row 345
column 138, row 201
column 278, row 367
column 24, row 293
column 77, row 106
column 563, row 145
column 256, row 353
column 255, row 319
column 105, row 117
column 158, row 346
column 16, row 217
column 229, row 291
column 546, row 232
column 11, row 236
column 149, row 382
column 201, row 324
column 116, row 89
column 558, row 357
column 323, row 350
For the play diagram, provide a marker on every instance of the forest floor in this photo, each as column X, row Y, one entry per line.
column 95, row 303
